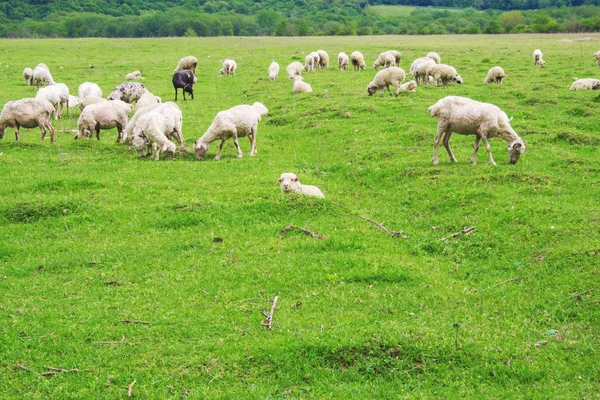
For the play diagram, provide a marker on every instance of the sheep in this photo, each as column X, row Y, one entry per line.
column 27, row 113
column 154, row 129
column 187, row 63
column 358, row 61
column 537, row 58
column 434, row 56
column 128, row 92
column 73, row 101
column 389, row 58
column 236, row 122
column 384, row 78
column 42, row 65
column 90, row 100
column 597, row 55
column 309, row 65
column 323, row 59
column 273, row 71
column 289, row 183
column 300, row 86
column 443, row 73
column 168, row 109
column 42, row 76
column 495, row 75
column 134, row 76
column 103, row 115
column 294, row 69
column 397, row 56
column 28, row 76
column 316, row 59
column 185, row 81
column 343, row 61
column 87, row 89
column 469, row 117
column 229, row 68
column 418, row 69
column 586, row 84
column 57, row 95
column 408, row 87
column 147, row 99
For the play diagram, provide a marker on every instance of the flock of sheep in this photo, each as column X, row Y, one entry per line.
column 155, row 125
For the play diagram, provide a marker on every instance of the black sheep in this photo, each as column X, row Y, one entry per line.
column 184, row 80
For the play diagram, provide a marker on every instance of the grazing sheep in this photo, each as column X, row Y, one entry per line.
column 42, row 76
column 289, row 183
column 309, row 65
column 316, row 59
column 134, row 76
column 537, row 58
column 586, row 84
column 57, row 95
column 236, row 122
column 187, row 63
column 87, row 89
column 168, row 109
column 28, row 76
column 343, row 61
column 358, row 61
column 390, row 58
column 42, row 65
column 27, row 113
column 294, row 69
column 185, row 81
column 273, row 71
column 146, row 100
column 229, row 68
column 495, row 75
column 103, row 115
column 154, row 129
column 73, row 101
column 300, row 86
column 434, row 56
column 418, row 69
column 408, row 87
column 443, row 73
column 469, row 117
column 384, row 78
column 323, row 59
column 128, row 92
column 597, row 55
column 89, row 100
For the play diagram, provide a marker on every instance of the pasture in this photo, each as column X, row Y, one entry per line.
column 91, row 235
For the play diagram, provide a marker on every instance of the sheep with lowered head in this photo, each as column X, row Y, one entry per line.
column 300, row 86
column 57, row 95
column 169, row 110
column 586, row 84
column 41, row 76
column 323, row 59
column 289, row 183
column 294, row 69
column 537, row 58
column 185, row 81
column 134, row 76
column 236, row 122
column 495, row 75
column 273, row 71
column 418, row 69
column 27, row 113
column 153, row 130
column 343, row 61
column 358, row 61
column 469, row 117
column 384, row 78
column 128, row 92
column 28, row 76
column 229, row 68
column 87, row 89
column 309, row 63
column 103, row 115
column 389, row 58
column 443, row 73
column 187, row 63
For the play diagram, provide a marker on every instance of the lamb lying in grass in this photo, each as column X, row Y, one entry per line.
column 289, row 183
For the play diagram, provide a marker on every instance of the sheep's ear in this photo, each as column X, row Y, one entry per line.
column 296, row 179
column 279, row 180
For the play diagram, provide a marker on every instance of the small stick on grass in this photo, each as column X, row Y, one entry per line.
column 67, row 371
column 383, row 228
column 114, row 342
column 269, row 316
column 130, row 388
column 308, row 232
column 135, row 321
column 582, row 293
column 464, row 231
column 516, row 278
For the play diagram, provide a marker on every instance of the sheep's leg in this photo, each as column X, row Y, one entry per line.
column 237, row 146
column 98, row 132
column 156, row 151
column 218, row 156
column 446, row 142
column 119, row 133
column 436, row 142
column 252, row 138
column 475, row 148
column 51, row 129
column 488, row 149
column 175, row 94
column 17, row 136
column 389, row 90
column 43, row 130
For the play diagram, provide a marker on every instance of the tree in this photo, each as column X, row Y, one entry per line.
column 493, row 27
column 510, row 20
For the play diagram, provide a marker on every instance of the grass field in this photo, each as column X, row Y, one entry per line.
column 91, row 235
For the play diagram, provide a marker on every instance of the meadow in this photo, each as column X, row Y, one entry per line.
column 91, row 235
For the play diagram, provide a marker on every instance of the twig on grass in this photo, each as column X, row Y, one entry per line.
column 130, row 388
column 582, row 293
column 135, row 321
column 516, row 278
column 269, row 316
column 308, row 232
column 55, row 371
column 383, row 228
column 114, row 342
column 464, row 231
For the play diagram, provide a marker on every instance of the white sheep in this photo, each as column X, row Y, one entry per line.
column 443, row 73
column 316, row 59
column 343, row 61
column 169, row 110
column 309, row 63
column 236, row 122
column 128, row 92
column 42, row 76
column 597, row 55
column 434, row 56
column 27, row 113
column 187, row 63
column 384, row 78
column 87, row 89
column 418, row 69
column 147, row 99
column 89, row 100
column 300, row 86
column 289, row 183
column 73, row 101
column 57, row 95
column 495, row 75
column 294, row 69
column 390, row 58
column 134, row 76
column 408, row 87
column 323, row 59
column 358, row 61
column 103, row 115
column 537, row 58
column 586, row 84
column 229, row 67
column 42, row 65
column 469, row 117
column 154, row 129
column 273, row 71
column 28, row 76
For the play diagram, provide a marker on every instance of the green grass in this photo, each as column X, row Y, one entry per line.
column 91, row 235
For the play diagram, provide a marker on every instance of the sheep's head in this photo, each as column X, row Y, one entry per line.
column 412, row 85
column 371, row 89
column 288, row 182
column 83, row 134
column 542, row 63
column 515, row 149
column 201, row 149
column 140, row 144
column 457, row 79
column 596, row 85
